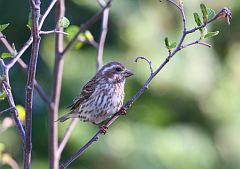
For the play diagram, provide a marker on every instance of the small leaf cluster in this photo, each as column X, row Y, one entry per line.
column 207, row 14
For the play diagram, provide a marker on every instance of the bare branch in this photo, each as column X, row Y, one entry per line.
column 84, row 27
column 35, row 11
column 195, row 43
column 103, row 35
column 67, row 135
column 56, row 90
column 6, row 110
column 53, row 31
column 148, row 61
column 7, row 89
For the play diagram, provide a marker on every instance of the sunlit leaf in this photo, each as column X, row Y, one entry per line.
column 204, row 12
column 78, row 45
column 6, row 55
column 2, row 147
column 21, row 112
column 166, row 42
column 173, row 45
column 3, row 26
column 88, row 35
column 3, row 95
column 29, row 23
column 64, row 22
column 211, row 13
column 14, row 47
column 71, row 30
column 211, row 34
column 197, row 19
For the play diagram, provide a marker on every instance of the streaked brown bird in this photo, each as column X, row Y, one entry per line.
column 102, row 96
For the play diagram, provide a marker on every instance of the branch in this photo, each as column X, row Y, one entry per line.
column 67, row 135
column 30, row 40
column 84, row 27
column 24, row 67
column 53, row 31
column 148, row 61
column 56, row 90
column 128, row 104
column 6, row 87
column 195, row 43
column 103, row 35
column 6, row 110
column 35, row 10
column 10, row 99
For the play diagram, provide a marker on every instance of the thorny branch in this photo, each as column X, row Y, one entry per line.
column 224, row 12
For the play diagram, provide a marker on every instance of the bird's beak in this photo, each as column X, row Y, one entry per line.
column 128, row 73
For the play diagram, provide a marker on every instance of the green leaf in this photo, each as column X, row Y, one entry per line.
column 14, row 48
column 197, row 19
column 3, row 26
column 78, row 45
column 64, row 22
column 29, row 23
column 71, row 30
column 2, row 147
column 211, row 34
column 3, row 95
column 88, row 35
column 166, row 42
column 6, row 55
column 211, row 13
column 204, row 12
column 21, row 112
column 173, row 45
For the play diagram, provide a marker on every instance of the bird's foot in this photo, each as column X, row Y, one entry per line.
column 122, row 111
column 103, row 128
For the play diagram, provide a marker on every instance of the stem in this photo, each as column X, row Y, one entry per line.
column 56, row 88
column 85, row 26
column 102, row 37
column 35, row 9
column 67, row 135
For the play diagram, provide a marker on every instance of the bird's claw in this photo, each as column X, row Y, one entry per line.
column 122, row 111
column 103, row 129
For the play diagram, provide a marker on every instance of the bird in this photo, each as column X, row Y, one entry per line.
column 101, row 97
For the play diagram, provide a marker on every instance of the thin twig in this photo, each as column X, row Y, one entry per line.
column 147, row 60
column 24, row 67
column 195, row 43
column 56, row 90
column 84, row 27
column 10, row 99
column 53, row 31
column 128, row 104
column 103, row 35
column 67, row 135
column 5, row 85
column 30, row 40
column 6, row 110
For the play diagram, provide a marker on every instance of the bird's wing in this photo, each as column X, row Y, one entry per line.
column 86, row 92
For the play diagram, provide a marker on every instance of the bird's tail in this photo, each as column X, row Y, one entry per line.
column 64, row 117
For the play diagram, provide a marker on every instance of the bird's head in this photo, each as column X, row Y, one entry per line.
column 115, row 72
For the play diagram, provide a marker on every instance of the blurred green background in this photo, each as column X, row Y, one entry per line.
column 188, row 119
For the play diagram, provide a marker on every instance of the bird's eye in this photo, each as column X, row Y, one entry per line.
column 118, row 69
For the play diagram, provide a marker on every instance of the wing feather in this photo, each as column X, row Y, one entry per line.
column 86, row 92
